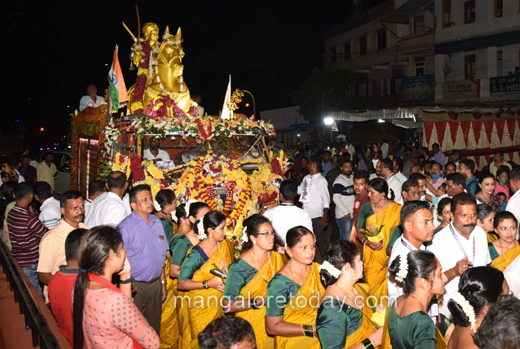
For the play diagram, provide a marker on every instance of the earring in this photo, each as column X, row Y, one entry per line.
column 426, row 291
column 254, row 242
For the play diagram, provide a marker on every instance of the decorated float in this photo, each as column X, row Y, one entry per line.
column 222, row 161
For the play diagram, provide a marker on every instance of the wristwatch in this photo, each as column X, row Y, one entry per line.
column 127, row 281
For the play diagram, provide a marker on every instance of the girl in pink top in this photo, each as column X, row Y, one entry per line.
column 502, row 182
column 104, row 315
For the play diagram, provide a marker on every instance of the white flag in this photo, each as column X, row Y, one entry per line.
column 227, row 113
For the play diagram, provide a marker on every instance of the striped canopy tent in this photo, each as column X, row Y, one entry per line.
column 478, row 133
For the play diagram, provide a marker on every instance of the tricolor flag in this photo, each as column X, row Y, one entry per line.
column 118, row 93
column 227, row 113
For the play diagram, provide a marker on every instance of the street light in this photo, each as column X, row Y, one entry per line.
column 328, row 120
column 41, row 129
column 254, row 106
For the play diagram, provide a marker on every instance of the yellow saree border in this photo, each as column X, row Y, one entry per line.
column 312, row 291
column 503, row 261
column 204, row 305
column 375, row 274
column 366, row 327
column 257, row 287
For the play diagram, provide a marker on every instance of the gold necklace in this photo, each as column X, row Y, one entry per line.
column 260, row 269
column 503, row 252
column 290, row 269
column 209, row 249
column 345, row 292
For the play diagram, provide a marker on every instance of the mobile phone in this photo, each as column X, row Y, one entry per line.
column 218, row 273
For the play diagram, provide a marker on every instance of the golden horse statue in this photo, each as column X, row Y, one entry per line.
column 167, row 88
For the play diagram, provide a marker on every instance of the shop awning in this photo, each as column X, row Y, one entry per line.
column 385, row 114
column 402, row 14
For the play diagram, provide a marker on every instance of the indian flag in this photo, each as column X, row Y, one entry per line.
column 118, row 93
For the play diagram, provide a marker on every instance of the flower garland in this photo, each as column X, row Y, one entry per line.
column 332, row 270
column 466, row 307
column 236, row 99
column 403, row 268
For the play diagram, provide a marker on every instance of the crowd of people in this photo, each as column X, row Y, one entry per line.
column 427, row 245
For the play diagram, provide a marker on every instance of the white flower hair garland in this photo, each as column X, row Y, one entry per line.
column 200, row 228
column 157, row 206
column 403, row 268
column 187, row 207
column 174, row 216
column 243, row 236
column 466, row 307
column 331, row 269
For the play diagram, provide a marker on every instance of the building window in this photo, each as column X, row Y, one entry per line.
column 385, row 87
column 374, row 88
column 499, row 8
column 500, row 61
column 393, row 86
column 332, row 54
column 367, row 89
column 381, row 40
column 419, row 66
column 363, row 45
column 469, row 67
column 418, row 24
column 469, row 12
column 356, row 90
column 346, row 50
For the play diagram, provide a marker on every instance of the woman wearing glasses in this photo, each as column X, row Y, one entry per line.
column 248, row 276
column 205, row 289
column 479, row 288
column 293, row 295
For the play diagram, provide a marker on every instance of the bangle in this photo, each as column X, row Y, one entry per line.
column 368, row 343
column 308, row 331
column 163, row 282
column 364, row 241
column 127, row 281
column 205, row 285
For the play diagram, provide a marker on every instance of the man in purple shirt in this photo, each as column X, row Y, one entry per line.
column 145, row 244
column 438, row 154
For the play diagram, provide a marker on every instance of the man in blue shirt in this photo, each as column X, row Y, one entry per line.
column 327, row 163
column 467, row 169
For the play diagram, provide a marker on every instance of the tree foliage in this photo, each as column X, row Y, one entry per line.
column 325, row 90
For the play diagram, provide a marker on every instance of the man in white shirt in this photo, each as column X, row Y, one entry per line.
column 460, row 245
column 350, row 148
column 108, row 208
column 95, row 189
column 512, row 275
column 50, row 211
column 455, row 184
column 344, row 198
column 513, row 205
column 154, row 153
column 196, row 99
column 418, row 228
column 386, row 169
column 398, row 167
column 314, row 195
column 91, row 100
column 384, row 148
column 286, row 215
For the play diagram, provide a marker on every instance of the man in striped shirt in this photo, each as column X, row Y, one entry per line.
column 25, row 231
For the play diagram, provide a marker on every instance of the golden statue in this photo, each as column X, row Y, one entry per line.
column 160, row 89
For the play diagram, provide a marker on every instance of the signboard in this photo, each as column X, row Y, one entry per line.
column 504, row 85
column 461, row 89
column 419, row 79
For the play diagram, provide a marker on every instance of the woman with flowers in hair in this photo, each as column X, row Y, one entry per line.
column 205, row 290
column 248, row 277
column 479, row 289
column 344, row 315
column 379, row 218
column 409, row 326
column 165, row 204
column 293, row 295
column 185, row 216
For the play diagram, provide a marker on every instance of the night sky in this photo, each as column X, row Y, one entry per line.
column 55, row 48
